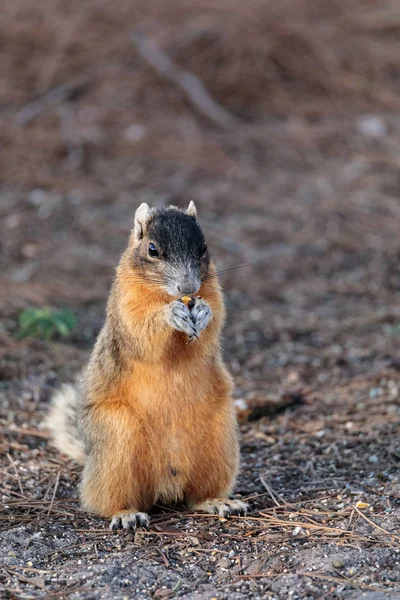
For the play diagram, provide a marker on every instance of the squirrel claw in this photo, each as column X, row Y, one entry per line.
column 201, row 314
column 192, row 337
column 179, row 318
column 130, row 521
column 223, row 507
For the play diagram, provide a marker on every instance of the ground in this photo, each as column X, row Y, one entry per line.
column 302, row 196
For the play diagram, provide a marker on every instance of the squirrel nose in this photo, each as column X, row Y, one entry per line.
column 188, row 288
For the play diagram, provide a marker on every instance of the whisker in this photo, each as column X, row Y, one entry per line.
column 139, row 278
column 234, row 268
column 159, row 281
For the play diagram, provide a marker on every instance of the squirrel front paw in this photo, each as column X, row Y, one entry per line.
column 201, row 314
column 179, row 317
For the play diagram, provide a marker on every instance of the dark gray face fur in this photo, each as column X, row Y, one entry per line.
column 182, row 259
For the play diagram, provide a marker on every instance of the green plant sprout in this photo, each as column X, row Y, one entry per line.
column 46, row 323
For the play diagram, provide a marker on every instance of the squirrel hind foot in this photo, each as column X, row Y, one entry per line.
column 223, row 507
column 130, row 520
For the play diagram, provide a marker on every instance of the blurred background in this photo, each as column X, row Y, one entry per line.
column 280, row 119
column 300, row 173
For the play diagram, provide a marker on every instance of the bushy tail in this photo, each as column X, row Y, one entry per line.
column 62, row 421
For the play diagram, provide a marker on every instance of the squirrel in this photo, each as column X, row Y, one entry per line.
column 152, row 418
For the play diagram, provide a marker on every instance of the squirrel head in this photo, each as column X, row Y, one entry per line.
column 168, row 249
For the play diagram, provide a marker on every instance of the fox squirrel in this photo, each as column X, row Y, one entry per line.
column 152, row 418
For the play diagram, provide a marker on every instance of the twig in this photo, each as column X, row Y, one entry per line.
column 345, row 581
column 191, row 86
column 271, row 492
column 29, row 569
column 59, row 94
column 268, row 574
column 16, row 474
column 164, row 558
column 71, row 547
column 393, row 535
column 334, row 531
column 54, row 492
column 32, row 432
column 35, row 581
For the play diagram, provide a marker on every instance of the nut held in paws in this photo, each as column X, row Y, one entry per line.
column 189, row 301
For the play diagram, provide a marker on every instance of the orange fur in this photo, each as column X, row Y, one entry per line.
column 164, row 429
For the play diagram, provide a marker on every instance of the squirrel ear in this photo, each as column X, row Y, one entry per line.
column 142, row 216
column 192, row 211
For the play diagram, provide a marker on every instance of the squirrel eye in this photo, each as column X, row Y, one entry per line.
column 153, row 250
column 204, row 249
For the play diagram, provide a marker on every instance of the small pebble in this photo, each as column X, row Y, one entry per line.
column 372, row 126
column 134, row 133
column 37, row 197
column 338, row 563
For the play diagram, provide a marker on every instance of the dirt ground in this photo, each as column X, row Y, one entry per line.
column 303, row 191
